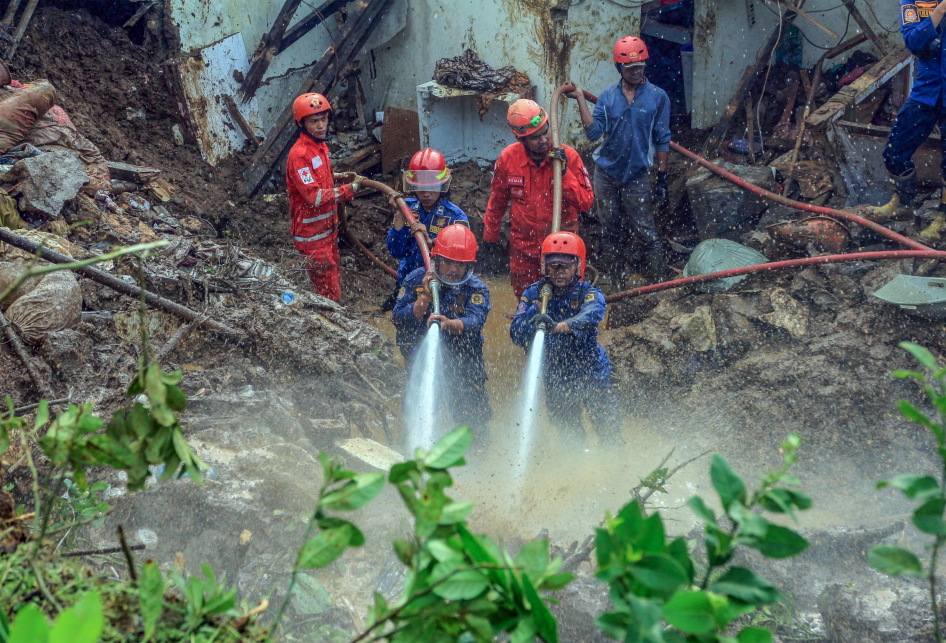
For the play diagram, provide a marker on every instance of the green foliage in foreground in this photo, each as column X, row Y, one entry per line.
column 928, row 490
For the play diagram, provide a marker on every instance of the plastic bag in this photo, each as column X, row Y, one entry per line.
column 41, row 304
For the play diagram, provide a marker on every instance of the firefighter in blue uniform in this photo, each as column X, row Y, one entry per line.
column 428, row 177
column 464, row 306
column 576, row 368
column 921, row 23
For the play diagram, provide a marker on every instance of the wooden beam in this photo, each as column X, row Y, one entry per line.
column 311, row 21
column 364, row 17
column 267, row 49
column 129, row 172
column 858, row 91
column 748, row 80
column 360, row 155
column 791, row 7
column 239, row 120
column 865, row 26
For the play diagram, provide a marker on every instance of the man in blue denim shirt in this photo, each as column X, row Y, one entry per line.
column 635, row 116
column 921, row 23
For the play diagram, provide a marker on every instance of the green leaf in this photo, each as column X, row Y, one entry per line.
column 177, row 401
column 750, row 523
column 458, row 585
column 659, row 573
column 533, row 558
column 449, row 449
column 357, row 538
column 745, row 585
column 455, row 512
column 728, row 485
column 921, row 355
column 699, row 507
column 556, row 582
column 677, row 549
column 525, row 631
column 324, row 548
column 443, row 552
column 545, row 622
column 782, row 501
column 754, row 635
column 480, row 628
column 356, row 493
column 894, row 561
column 690, row 611
column 913, row 414
column 404, row 551
column 30, row 626
column 778, row 542
column 81, row 623
column 917, row 487
column 928, row 517
column 42, row 415
column 401, row 472
column 150, row 596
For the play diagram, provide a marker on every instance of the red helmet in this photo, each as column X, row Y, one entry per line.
column 428, row 171
column 525, row 117
column 456, row 243
column 565, row 243
column 309, row 104
column 630, row 50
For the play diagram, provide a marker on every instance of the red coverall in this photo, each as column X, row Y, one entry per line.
column 312, row 199
column 518, row 182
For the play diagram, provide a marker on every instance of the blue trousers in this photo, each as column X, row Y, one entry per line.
column 913, row 126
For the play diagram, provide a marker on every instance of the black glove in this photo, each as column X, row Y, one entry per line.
column 542, row 318
column 661, row 191
column 930, row 50
column 559, row 153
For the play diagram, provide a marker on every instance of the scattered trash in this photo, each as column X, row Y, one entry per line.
column 147, row 538
column 922, row 296
column 288, row 297
column 467, row 71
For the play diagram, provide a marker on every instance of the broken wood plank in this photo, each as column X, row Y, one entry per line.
column 364, row 165
column 119, row 285
column 858, row 91
column 865, row 26
column 128, row 172
column 745, row 84
column 314, row 19
column 791, row 7
column 360, row 155
column 239, row 120
column 267, row 49
column 364, row 17
column 10, row 13
column 21, row 28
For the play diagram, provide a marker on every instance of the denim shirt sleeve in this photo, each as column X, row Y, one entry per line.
column 476, row 313
column 662, row 124
column 599, row 124
column 403, row 315
column 399, row 242
column 589, row 315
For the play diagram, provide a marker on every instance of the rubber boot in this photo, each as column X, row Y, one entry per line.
column 655, row 267
column 906, row 187
column 932, row 233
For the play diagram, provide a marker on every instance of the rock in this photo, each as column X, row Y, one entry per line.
column 47, row 181
column 645, row 363
column 789, row 313
column 697, row 328
column 721, row 208
column 891, row 610
column 579, row 604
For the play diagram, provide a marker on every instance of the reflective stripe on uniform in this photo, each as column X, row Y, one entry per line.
column 315, row 238
column 319, row 218
column 318, row 196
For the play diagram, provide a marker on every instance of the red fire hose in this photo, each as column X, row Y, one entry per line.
column 778, row 265
column 408, row 216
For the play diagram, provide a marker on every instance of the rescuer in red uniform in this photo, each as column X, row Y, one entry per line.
column 522, row 182
column 313, row 195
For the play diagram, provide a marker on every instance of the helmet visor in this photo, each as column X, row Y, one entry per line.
column 558, row 261
column 427, row 180
column 452, row 273
column 640, row 64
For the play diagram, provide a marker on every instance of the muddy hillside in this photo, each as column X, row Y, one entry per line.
column 275, row 374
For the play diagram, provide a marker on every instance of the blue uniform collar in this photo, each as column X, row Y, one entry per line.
column 419, row 209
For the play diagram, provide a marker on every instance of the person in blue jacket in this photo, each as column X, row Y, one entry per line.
column 428, row 177
column 921, row 23
column 464, row 306
column 576, row 369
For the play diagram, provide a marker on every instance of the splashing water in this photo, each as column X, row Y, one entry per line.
column 529, row 402
column 422, row 397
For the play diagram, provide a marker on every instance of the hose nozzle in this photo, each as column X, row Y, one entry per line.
column 545, row 294
column 434, row 286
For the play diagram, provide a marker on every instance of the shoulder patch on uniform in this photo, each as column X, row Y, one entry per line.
column 924, row 8
column 908, row 13
column 400, row 293
column 463, row 223
column 589, row 297
column 476, row 298
column 306, row 175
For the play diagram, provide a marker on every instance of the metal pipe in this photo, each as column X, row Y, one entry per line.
column 556, row 164
column 778, row 265
column 771, row 196
column 434, row 286
column 406, row 211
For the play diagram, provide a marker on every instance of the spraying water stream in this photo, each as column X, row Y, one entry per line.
column 529, row 403
column 422, row 415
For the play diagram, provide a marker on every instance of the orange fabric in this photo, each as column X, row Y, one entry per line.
column 526, row 189
column 312, row 207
